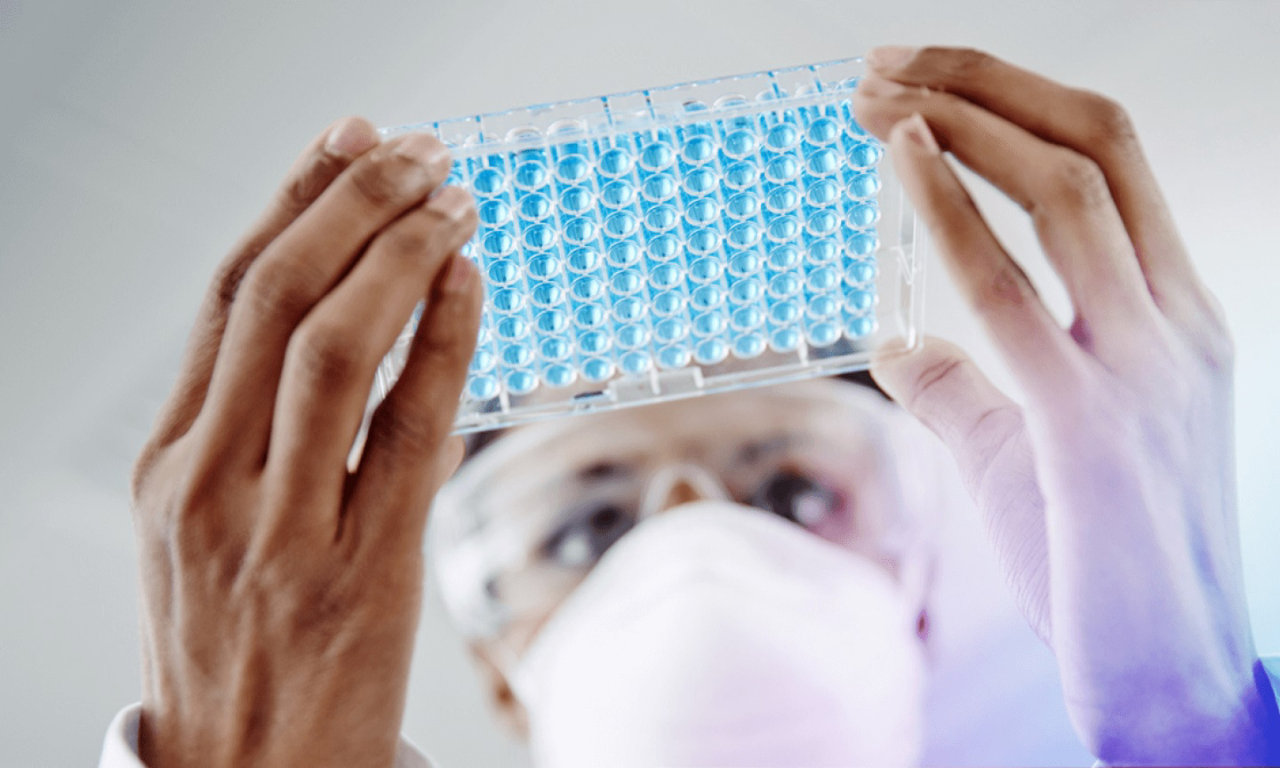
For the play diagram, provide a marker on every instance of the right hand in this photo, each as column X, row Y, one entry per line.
column 280, row 592
column 1110, row 497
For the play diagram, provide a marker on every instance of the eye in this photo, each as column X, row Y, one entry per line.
column 586, row 535
column 796, row 497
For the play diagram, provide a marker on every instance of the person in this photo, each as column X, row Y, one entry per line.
column 741, row 579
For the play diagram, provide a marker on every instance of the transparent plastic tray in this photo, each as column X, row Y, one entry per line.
column 677, row 241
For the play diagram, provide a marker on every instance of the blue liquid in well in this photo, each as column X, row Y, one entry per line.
column 672, row 246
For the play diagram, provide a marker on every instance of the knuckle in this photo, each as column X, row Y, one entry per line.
column 171, row 482
column 306, row 183
column 1220, row 350
column 873, row 86
column 409, row 239
column 421, row 147
column 934, row 375
column 410, row 433
column 878, row 103
column 143, row 469
column 1215, row 342
column 227, row 280
column 866, row 108
column 328, row 355
column 957, row 63
column 316, row 608
column 1218, row 355
column 201, row 538
column 468, row 224
column 454, row 206
column 1200, row 322
column 946, row 376
column 275, row 591
column 400, row 174
column 198, row 490
column 1111, row 125
column 453, row 201
column 1076, row 181
column 318, row 612
column 204, row 549
column 452, row 226
column 1003, row 288
column 281, row 290
column 188, row 522
column 442, row 224
column 382, row 184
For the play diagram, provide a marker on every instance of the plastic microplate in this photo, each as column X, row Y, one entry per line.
column 675, row 241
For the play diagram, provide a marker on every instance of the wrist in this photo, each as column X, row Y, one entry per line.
column 1267, row 715
column 1169, row 729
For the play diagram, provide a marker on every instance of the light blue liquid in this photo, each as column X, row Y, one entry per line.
column 671, row 246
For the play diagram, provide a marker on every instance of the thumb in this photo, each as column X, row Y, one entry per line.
column 985, row 433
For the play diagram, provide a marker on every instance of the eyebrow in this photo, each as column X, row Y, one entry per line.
column 755, row 451
column 602, row 470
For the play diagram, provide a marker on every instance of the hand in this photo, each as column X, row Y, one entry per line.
column 280, row 592
column 1110, row 498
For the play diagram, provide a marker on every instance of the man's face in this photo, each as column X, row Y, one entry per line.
column 527, row 519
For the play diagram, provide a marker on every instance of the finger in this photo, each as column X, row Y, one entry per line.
column 296, row 271
column 318, row 165
column 403, row 465
column 1065, row 193
column 985, row 433
column 1086, row 122
column 1040, row 353
column 333, row 355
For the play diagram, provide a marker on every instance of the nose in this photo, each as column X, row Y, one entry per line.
column 677, row 484
column 682, row 492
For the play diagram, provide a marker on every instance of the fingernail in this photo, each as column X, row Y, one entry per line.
column 461, row 270
column 890, row 56
column 350, row 137
column 422, row 146
column 918, row 131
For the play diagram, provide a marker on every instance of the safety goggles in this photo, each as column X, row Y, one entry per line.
column 524, row 522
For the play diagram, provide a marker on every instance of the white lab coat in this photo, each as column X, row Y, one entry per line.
column 120, row 749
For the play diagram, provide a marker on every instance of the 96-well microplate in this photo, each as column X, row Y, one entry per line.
column 676, row 241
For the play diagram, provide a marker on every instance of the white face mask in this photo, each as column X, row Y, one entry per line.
column 719, row 635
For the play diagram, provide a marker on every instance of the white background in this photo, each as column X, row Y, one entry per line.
column 137, row 140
